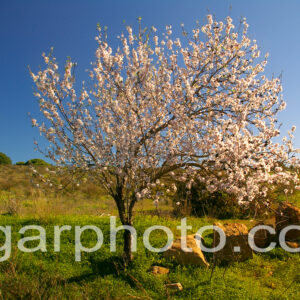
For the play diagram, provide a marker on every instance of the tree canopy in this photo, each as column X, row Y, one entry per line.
column 197, row 107
column 4, row 159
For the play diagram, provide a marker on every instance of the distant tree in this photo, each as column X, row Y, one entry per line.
column 4, row 159
column 36, row 162
column 20, row 163
column 157, row 108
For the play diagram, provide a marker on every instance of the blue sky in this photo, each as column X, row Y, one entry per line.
column 30, row 27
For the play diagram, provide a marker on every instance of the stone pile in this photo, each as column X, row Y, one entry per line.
column 236, row 247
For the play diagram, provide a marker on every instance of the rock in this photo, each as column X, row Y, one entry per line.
column 196, row 257
column 271, row 285
column 236, row 247
column 174, row 286
column 262, row 237
column 288, row 214
column 293, row 245
column 269, row 274
column 157, row 270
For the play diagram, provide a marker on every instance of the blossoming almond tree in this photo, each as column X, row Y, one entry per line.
column 157, row 105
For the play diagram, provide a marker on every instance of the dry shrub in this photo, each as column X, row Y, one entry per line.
column 12, row 206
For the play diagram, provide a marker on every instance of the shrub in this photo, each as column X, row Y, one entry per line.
column 4, row 159
column 36, row 162
column 199, row 202
column 20, row 163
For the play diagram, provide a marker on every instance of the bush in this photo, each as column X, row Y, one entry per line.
column 199, row 202
column 36, row 162
column 4, row 159
column 20, row 163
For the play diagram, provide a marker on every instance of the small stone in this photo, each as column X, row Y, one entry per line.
column 157, row 270
column 269, row 274
column 293, row 245
column 174, row 286
column 271, row 285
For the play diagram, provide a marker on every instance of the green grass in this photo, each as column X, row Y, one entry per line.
column 100, row 275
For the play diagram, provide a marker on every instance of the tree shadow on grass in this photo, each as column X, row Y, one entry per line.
column 112, row 265
column 101, row 267
column 108, row 266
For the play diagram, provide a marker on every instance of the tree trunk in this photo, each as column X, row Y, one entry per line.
column 126, row 219
column 127, row 246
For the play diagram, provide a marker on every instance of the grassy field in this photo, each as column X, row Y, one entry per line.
column 102, row 275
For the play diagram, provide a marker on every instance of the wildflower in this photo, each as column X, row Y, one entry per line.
column 80, row 123
column 34, row 122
